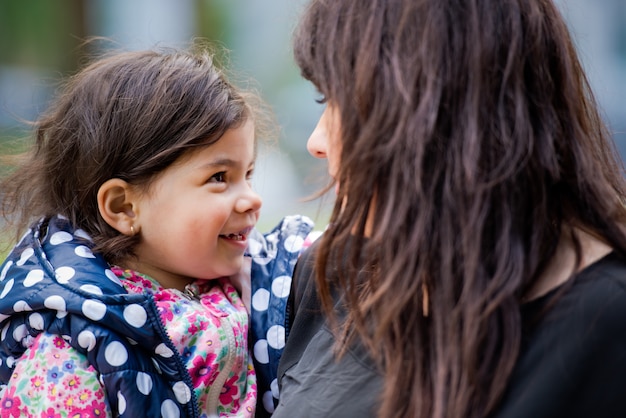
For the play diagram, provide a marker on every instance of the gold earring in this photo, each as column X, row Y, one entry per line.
column 132, row 231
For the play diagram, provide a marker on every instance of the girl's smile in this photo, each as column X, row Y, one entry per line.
column 240, row 238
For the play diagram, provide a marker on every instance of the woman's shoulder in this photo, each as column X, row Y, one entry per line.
column 598, row 299
column 611, row 267
column 573, row 355
column 595, row 299
column 602, row 285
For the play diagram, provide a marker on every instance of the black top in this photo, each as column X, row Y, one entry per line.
column 572, row 360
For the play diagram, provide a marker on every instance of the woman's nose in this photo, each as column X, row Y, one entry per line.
column 316, row 145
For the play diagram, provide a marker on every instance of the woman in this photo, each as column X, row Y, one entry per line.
column 475, row 262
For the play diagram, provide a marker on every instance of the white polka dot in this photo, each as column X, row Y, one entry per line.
column 84, row 252
column 121, row 403
column 55, row 302
column 60, row 237
column 3, row 317
column 111, row 276
column 313, row 236
column 80, row 233
column 33, row 277
column 144, row 383
column 5, row 269
column 36, row 321
column 10, row 362
column 274, row 388
column 94, row 309
column 90, row 288
column 164, row 351
column 254, row 247
column 293, row 243
column 20, row 332
column 272, row 238
column 182, row 392
column 276, row 336
column 261, row 300
column 260, row 352
column 7, row 288
column 64, row 274
column 115, row 354
column 21, row 306
column 268, row 402
column 281, row 286
column 26, row 254
column 87, row 340
column 135, row 315
column 169, row 409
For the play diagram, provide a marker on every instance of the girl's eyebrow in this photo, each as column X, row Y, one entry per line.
column 228, row 162
column 221, row 162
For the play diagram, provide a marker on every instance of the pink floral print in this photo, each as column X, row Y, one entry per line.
column 53, row 380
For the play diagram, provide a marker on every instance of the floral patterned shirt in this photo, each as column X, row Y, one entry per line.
column 208, row 324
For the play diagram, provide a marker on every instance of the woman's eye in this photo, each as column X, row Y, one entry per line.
column 321, row 100
column 218, row 177
column 249, row 174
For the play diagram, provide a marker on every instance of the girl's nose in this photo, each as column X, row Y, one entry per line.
column 249, row 201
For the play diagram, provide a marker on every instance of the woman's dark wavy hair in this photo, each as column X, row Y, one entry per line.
column 129, row 115
column 469, row 137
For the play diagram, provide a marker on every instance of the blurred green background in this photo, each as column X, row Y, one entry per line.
column 39, row 42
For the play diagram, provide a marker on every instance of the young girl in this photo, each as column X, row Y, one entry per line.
column 123, row 298
column 475, row 261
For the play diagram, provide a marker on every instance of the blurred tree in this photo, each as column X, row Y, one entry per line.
column 213, row 21
column 41, row 33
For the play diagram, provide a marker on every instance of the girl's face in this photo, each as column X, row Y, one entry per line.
column 325, row 141
column 195, row 218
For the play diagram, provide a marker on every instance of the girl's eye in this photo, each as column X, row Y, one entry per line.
column 218, row 177
column 249, row 174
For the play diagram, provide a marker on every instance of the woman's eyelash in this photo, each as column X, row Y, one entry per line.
column 321, row 100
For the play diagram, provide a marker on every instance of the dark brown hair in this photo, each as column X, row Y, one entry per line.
column 129, row 115
column 469, row 138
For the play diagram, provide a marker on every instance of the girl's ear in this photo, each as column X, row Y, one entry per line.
column 117, row 207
